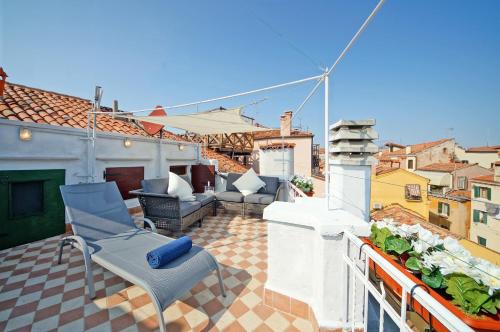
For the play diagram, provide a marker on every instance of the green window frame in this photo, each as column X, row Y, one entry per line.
column 479, row 192
column 475, row 216
column 444, row 208
column 481, row 241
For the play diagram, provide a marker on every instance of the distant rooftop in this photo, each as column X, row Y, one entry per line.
column 275, row 133
column 493, row 148
column 445, row 167
column 414, row 148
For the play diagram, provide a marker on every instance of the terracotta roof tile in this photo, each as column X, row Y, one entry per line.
column 486, row 178
column 226, row 164
column 405, row 216
column 493, row 148
column 277, row 145
column 28, row 104
column 415, row 148
column 275, row 133
column 444, row 167
column 459, row 193
column 35, row 105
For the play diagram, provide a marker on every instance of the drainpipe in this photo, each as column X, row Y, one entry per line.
column 351, row 148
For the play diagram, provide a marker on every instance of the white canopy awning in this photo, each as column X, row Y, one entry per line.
column 206, row 123
column 441, row 179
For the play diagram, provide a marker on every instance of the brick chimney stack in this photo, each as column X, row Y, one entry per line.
column 3, row 76
column 286, row 123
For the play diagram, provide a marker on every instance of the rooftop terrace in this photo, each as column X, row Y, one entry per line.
column 38, row 294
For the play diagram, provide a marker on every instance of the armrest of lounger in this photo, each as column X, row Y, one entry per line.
column 79, row 243
column 149, row 222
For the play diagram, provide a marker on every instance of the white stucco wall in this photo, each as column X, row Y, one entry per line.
column 305, row 248
column 484, row 159
column 56, row 147
column 302, row 161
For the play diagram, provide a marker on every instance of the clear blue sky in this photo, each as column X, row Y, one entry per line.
column 420, row 68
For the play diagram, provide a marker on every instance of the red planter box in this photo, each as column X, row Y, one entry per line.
column 481, row 323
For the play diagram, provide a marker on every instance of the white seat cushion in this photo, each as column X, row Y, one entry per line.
column 177, row 186
column 249, row 183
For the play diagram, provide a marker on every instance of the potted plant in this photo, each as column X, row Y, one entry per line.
column 467, row 286
column 303, row 183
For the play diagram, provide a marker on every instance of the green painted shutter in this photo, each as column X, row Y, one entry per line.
column 440, row 207
column 476, row 191
column 475, row 216
column 489, row 194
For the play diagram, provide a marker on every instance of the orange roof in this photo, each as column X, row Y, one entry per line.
column 486, row 178
column 487, row 148
column 444, row 167
column 275, row 133
column 277, row 145
column 226, row 164
column 382, row 169
column 405, row 216
column 395, row 145
column 459, row 193
column 28, row 104
column 415, row 148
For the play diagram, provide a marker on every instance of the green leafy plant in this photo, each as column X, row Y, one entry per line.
column 397, row 245
column 303, row 183
column 471, row 296
column 433, row 278
column 378, row 236
column 413, row 264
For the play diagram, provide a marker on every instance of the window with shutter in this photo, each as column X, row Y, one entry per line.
column 481, row 241
column 440, row 207
column 489, row 194
column 475, row 216
column 476, row 191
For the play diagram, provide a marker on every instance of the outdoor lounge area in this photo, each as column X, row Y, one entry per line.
column 38, row 294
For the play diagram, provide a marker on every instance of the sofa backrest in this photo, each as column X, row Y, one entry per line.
column 231, row 177
column 272, row 184
column 155, row 186
column 271, row 187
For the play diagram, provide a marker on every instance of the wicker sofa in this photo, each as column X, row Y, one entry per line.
column 169, row 212
column 232, row 199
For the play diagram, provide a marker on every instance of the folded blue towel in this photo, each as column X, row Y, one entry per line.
column 169, row 252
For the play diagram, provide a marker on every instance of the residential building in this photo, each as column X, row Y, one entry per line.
column 398, row 186
column 411, row 157
column 405, row 216
column 485, row 210
column 451, row 211
column 451, row 176
column 449, row 194
column 484, row 156
column 302, row 141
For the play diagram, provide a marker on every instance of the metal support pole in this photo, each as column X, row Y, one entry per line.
column 327, row 167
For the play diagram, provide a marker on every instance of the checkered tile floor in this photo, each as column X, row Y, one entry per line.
column 38, row 294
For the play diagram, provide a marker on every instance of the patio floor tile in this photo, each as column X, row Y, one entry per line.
column 38, row 294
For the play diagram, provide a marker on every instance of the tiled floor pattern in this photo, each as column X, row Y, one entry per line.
column 38, row 294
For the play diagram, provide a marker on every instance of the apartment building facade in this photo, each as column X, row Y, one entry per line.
column 485, row 210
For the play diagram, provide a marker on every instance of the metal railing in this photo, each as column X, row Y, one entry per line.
column 294, row 192
column 358, row 266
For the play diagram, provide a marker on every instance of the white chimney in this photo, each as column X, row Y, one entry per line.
column 351, row 157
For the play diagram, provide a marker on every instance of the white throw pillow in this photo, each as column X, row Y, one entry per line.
column 249, row 183
column 177, row 186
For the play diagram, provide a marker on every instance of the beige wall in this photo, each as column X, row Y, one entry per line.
column 389, row 188
column 459, row 219
column 302, row 153
column 436, row 154
column 491, row 230
column 469, row 172
column 484, row 159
